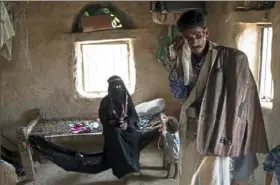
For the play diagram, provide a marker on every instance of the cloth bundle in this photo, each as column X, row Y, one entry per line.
column 186, row 61
column 78, row 128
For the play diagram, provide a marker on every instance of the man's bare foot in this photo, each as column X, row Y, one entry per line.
column 175, row 176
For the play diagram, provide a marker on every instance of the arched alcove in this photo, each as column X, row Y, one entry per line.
column 118, row 18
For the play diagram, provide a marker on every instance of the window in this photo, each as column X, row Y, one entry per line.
column 97, row 61
column 265, row 82
column 256, row 42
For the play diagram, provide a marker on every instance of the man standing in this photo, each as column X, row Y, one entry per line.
column 221, row 123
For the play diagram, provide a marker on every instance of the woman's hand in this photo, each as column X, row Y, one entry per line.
column 123, row 125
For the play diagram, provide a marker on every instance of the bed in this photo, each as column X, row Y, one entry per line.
column 149, row 115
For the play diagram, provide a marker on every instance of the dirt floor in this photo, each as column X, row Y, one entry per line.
column 152, row 173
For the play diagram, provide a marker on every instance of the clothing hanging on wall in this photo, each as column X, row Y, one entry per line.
column 6, row 33
column 163, row 54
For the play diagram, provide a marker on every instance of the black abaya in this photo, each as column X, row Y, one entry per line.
column 123, row 146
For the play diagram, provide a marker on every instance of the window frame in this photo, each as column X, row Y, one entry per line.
column 261, row 79
column 79, row 69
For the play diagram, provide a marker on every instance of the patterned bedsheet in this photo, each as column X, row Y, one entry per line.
column 63, row 127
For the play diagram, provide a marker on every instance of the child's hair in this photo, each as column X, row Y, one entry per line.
column 172, row 125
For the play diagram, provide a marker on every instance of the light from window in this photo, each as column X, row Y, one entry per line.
column 266, row 82
column 258, row 52
column 97, row 61
column 247, row 43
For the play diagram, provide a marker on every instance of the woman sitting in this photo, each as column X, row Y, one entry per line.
column 122, row 140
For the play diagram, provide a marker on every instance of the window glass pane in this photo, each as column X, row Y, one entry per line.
column 266, row 83
column 100, row 61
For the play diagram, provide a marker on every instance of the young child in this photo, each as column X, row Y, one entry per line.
column 272, row 165
column 171, row 144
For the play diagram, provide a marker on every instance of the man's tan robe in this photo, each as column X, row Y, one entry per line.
column 230, row 122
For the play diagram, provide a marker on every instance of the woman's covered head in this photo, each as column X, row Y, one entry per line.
column 117, row 90
column 172, row 125
column 115, row 82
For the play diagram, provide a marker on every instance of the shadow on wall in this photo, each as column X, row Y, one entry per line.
column 9, row 130
column 24, row 119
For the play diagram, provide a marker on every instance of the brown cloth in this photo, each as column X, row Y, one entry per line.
column 230, row 122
